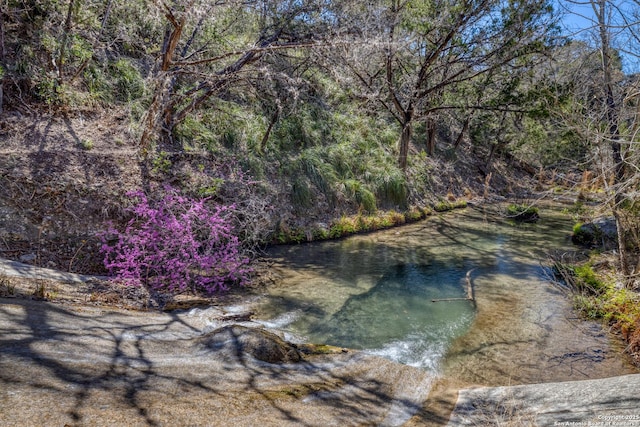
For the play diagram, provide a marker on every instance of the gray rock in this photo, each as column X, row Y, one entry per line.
column 601, row 232
column 238, row 341
column 602, row 402
column 28, row 257
column 84, row 365
column 26, row 271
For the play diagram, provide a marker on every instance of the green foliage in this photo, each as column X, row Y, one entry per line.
column 581, row 236
column 390, row 186
column 523, row 212
column 98, row 84
column 86, row 144
column 161, row 163
column 301, row 194
column 48, row 89
column 129, row 84
column 348, row 225
column 363, row 197
column 193, row 132
column 317, row 170
column 212, row 189
column 444, row 205
column 343, row 227
column 319, row 233
column 589, row 306
column 599, row 299
column 588, row 279
column 287, row 235
column 577, row 228
column 307, row 128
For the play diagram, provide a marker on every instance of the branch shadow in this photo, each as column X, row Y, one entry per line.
column 87, row 358
column 69, row 350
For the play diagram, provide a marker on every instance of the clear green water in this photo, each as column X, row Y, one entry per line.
column 374, row 292
column 396, row 317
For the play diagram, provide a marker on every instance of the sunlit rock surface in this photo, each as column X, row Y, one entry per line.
column 71, row 365
column 603, row 402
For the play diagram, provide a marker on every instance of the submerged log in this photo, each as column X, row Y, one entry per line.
column 469, row 288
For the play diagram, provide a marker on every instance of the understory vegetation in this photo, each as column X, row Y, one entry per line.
column 597, row 295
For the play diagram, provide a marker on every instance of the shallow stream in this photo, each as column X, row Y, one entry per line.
column 376, row 293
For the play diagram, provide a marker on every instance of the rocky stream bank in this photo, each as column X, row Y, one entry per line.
column 78, row 360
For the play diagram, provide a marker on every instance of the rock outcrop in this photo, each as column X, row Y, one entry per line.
column 601, row 402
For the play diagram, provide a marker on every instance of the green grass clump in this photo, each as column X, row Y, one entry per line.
column 523, row 213
column 602, row 299
column 588, row 306
column 415, row 214
column 129, row 83
column 445, row 205
column 87, row 144
column 365, row 199
column 301, row 193
column 619, row 307
column 349, row 225
column 343, row 227
column 588, row 280
column 287, row 235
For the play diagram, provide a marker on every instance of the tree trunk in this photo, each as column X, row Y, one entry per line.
column 431, row 136
column 1, row 35
column 490, row 156
column 154, row 116
column 65, row 39
column 265, row 138
column 464, row 130
column 158, row 114
column 613, row 129
column 405, row 140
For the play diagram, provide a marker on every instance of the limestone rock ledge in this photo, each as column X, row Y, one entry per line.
column 96, row 366
column 602, row 402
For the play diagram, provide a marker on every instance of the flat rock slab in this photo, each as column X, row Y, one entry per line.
column 88, row 366
column 27, row 271
column 602, row 402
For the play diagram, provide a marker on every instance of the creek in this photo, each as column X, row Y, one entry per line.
column 375, row 293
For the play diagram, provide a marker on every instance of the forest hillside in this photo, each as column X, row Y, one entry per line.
column 304, row 120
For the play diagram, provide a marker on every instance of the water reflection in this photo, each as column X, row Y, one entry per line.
column 374, row 292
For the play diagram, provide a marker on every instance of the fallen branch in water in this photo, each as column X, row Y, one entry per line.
column 467, row 277
column 469, row 287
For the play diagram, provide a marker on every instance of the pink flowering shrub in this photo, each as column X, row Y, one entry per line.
column 175, row 244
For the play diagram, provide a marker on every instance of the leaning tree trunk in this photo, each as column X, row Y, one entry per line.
column 611, row 108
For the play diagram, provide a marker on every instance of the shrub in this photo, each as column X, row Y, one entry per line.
column 129, row 83
column 175, row 244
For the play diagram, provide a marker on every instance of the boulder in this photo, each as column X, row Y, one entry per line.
column 601, row 232
column 237, row 341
